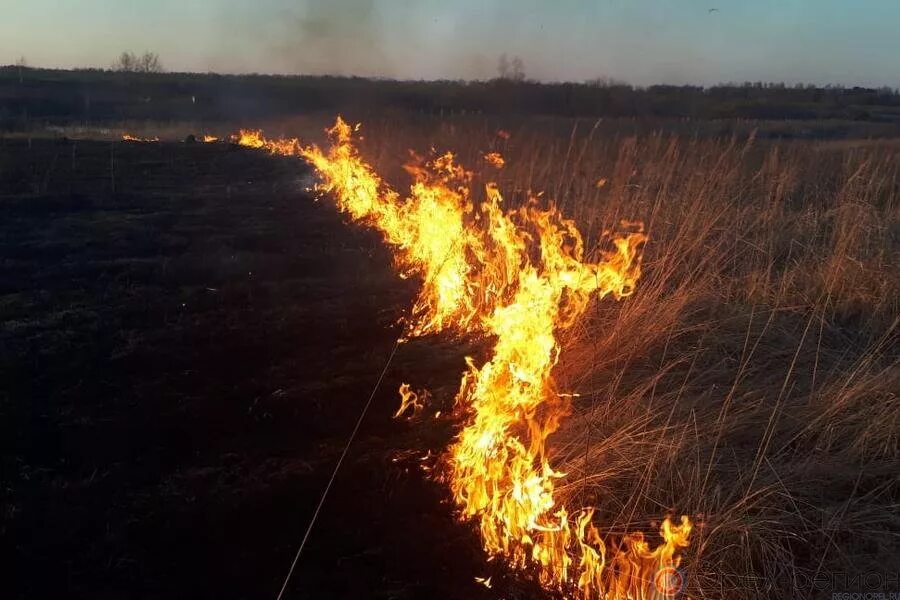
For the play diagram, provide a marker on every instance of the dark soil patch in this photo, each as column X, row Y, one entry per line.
column 186, row 340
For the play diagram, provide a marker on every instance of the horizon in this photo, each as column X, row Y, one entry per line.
column 655, row 42
column 527, row 81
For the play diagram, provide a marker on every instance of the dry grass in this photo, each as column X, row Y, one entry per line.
column 752, row 380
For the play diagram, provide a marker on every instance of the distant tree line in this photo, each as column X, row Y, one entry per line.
column 138, row 89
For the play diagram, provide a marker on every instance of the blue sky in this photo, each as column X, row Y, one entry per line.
column 640, row 41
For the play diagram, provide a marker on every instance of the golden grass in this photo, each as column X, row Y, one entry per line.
column 753, row 379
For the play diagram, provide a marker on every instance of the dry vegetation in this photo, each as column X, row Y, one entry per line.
column 752, row 380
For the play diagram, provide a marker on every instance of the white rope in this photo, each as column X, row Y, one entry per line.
column 336, row 468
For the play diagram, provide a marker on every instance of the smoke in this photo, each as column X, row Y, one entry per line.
column 398, row 39
column 405, row 39
column 333, row 37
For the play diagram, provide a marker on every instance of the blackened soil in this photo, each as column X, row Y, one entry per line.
column 186, row 341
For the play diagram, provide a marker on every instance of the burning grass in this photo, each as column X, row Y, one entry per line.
column 752, row 381
column 749, row 382
column 519, row 277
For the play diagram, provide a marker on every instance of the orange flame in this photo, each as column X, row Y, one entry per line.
column 409, row 401
column 208, row 139
column 494, row 159
column 519, row 276
column 254, row 139
column 127, row 137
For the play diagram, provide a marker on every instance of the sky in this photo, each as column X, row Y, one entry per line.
column 643, row 42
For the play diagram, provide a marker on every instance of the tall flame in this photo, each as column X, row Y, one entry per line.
column 519, row 276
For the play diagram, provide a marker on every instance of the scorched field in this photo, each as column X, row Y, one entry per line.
column 550, row 358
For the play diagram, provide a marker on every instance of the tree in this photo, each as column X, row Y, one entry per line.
column 149, row 63
column 511, row 70
column 21, row 64
column 606, row 82
column 518, row 69
column 125, row 63
column 129, row 62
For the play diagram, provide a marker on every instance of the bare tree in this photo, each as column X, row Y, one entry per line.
column 511, row 70
column 149, row 63
column 129, row 62
column 125, row 62
column 21, row 65
column 503, row 66
column 606, row 82
column 518, row 69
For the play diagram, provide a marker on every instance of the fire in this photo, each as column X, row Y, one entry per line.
column 208, row 139
column 410, row 401
column 251, row 138
column 495, row 159
column 127, row 137
column 254, row 139
column 518, row 276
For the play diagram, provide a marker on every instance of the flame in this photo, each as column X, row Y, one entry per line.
column 495, row 159
column 253, row 138
column 208, row 139
column 518, row 276
column 127, row 137
column 409, row 401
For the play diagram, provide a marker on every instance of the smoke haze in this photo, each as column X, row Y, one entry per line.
column 640, row 41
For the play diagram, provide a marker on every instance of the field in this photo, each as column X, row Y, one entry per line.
column 188, row 337
column 751, row 381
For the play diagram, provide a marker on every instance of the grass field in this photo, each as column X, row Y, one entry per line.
column 752, row 379
column 187, row 338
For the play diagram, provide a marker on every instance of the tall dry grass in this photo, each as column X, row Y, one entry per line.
column 753, row 379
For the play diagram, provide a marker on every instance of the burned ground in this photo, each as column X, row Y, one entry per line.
column 187, row 340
